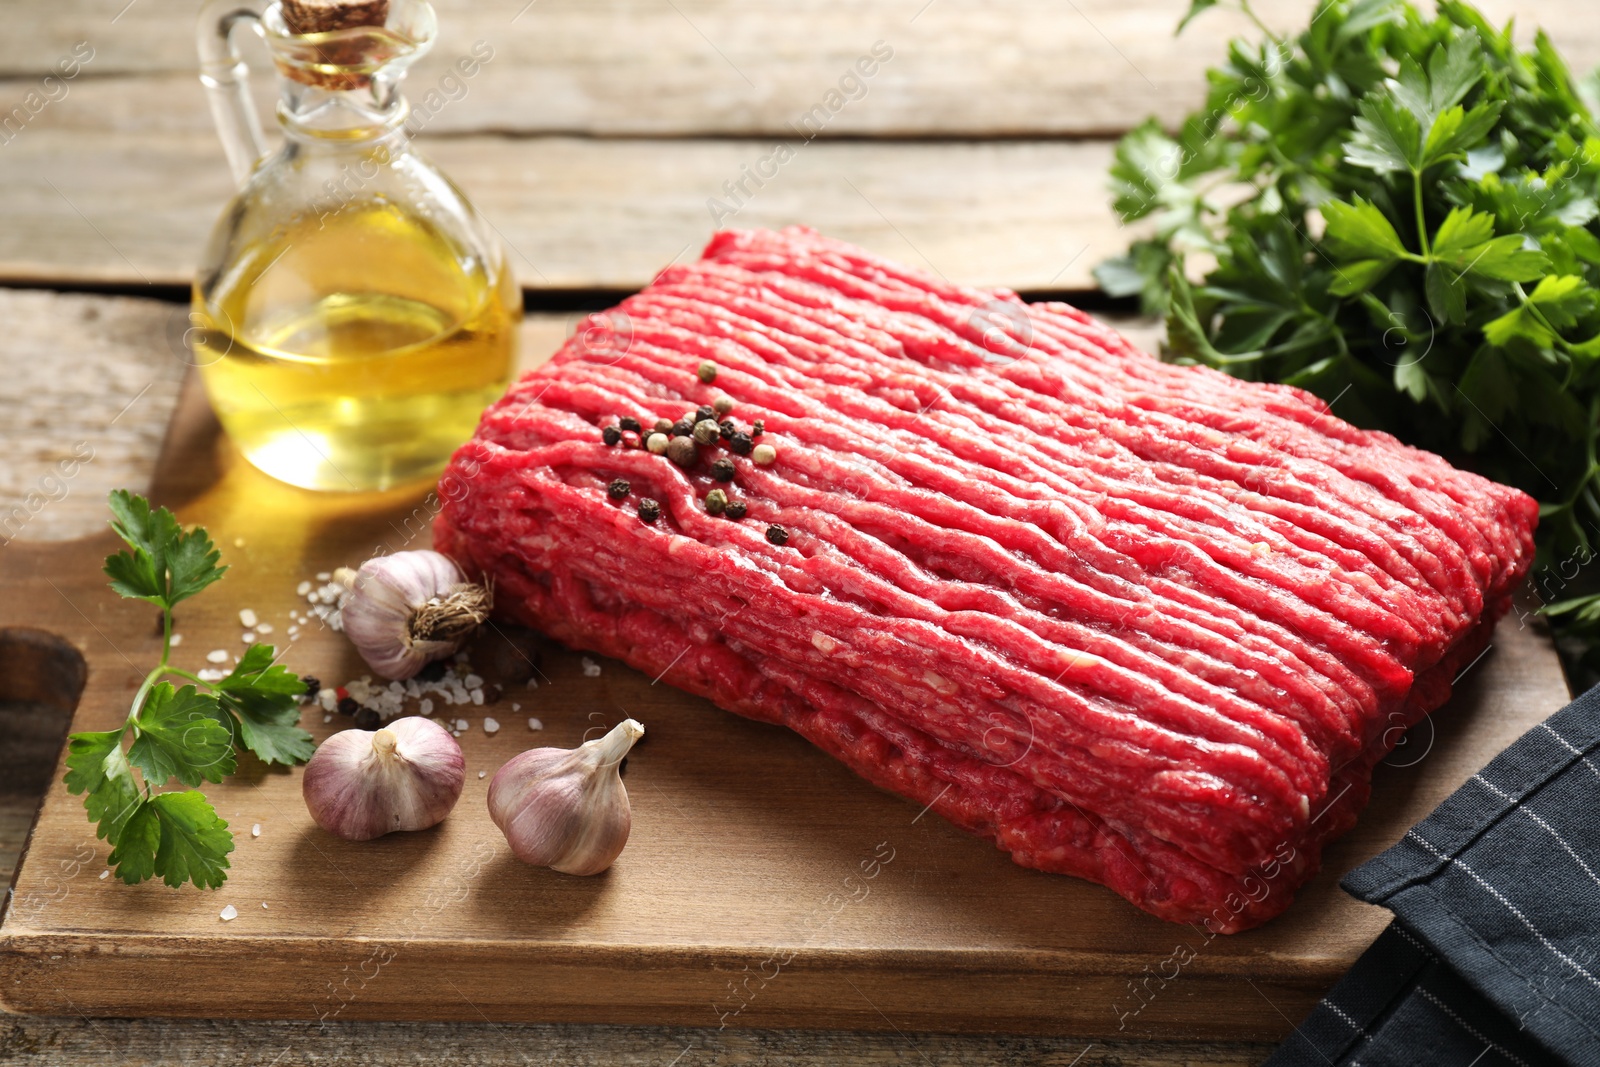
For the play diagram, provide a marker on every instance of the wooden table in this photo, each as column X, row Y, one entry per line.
column 598, row 140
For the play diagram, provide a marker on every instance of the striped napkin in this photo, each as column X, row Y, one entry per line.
column 1493, row 958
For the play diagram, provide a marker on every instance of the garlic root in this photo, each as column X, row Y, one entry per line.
column 410, row 608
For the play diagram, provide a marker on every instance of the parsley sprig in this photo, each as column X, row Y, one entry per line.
column 1401, row 216
column 190, row 733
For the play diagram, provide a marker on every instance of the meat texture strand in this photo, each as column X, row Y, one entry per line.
column 1144, row 624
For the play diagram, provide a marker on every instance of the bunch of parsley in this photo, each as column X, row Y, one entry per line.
column 178, row 733
column 1397, row 213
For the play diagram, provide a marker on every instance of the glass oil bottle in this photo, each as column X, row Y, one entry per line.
column 354, row 315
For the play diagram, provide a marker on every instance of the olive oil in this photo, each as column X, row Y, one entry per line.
column 355, row 349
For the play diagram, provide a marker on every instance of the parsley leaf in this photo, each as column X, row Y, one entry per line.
column 97, row 767
column 1402, row 212
column 260, row 700
column 194, row 842
column 1387, row 138
column 176, row 836
column 1454, row 131
column 165, row 563
column 177, row 735
column 1360, row 234
column 134, row 858
column 1359, row 229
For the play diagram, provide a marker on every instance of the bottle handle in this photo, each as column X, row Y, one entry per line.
column 226, row 78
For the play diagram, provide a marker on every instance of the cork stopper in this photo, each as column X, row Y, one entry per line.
column 302, row 17
column 323, row 16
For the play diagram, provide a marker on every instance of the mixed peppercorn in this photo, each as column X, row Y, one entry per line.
column 680, row 441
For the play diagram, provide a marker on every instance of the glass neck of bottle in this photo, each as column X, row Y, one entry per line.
column 314, row 114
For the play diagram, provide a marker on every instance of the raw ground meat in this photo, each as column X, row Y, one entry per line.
column 1147, row 625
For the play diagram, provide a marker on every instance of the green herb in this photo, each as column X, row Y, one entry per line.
column 178, row 733
column 1401, row 213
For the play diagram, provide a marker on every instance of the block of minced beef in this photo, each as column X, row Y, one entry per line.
column 1144, row 624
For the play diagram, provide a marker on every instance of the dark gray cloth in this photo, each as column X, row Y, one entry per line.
column 1494, row 955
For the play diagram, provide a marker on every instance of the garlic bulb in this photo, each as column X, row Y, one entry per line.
column 362, row 784
column 408, row 609
column 567, row 808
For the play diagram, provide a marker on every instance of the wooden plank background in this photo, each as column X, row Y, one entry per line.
column 558, row 137
column 592, row 140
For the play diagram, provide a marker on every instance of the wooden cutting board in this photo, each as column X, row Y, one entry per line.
column 764, row 885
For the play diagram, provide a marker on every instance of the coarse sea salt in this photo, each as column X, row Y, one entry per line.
column 263, row 627
column 482, row 773
column 255, row 831
column 247, row 637
column 104, row 875
column 177, row 639
column 217, row 655
column 535, row 724
column 491, row 726
column 463, row 724
column 302, row 589
column 229, row 913
column 591, row 669
column 247, row 618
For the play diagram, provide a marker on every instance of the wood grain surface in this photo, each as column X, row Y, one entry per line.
column 593, row 139
column 90, row 383
column 960, row 68
column 599, row 135
column 743, row 838
column 106, row 370
column 121, row 208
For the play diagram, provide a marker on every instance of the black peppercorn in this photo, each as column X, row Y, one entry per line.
column 313, row 686
column 777, row 534
column 619, row 489
column 367, row 719
column 628, row 422
column 735, row 509
column 722, row 470
column 348, row 706
column 649, row 510
column 757, row 428
column 727, row 428
column 741, row 443
column 704, row 412
column 682, row 428
column 610, row 435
